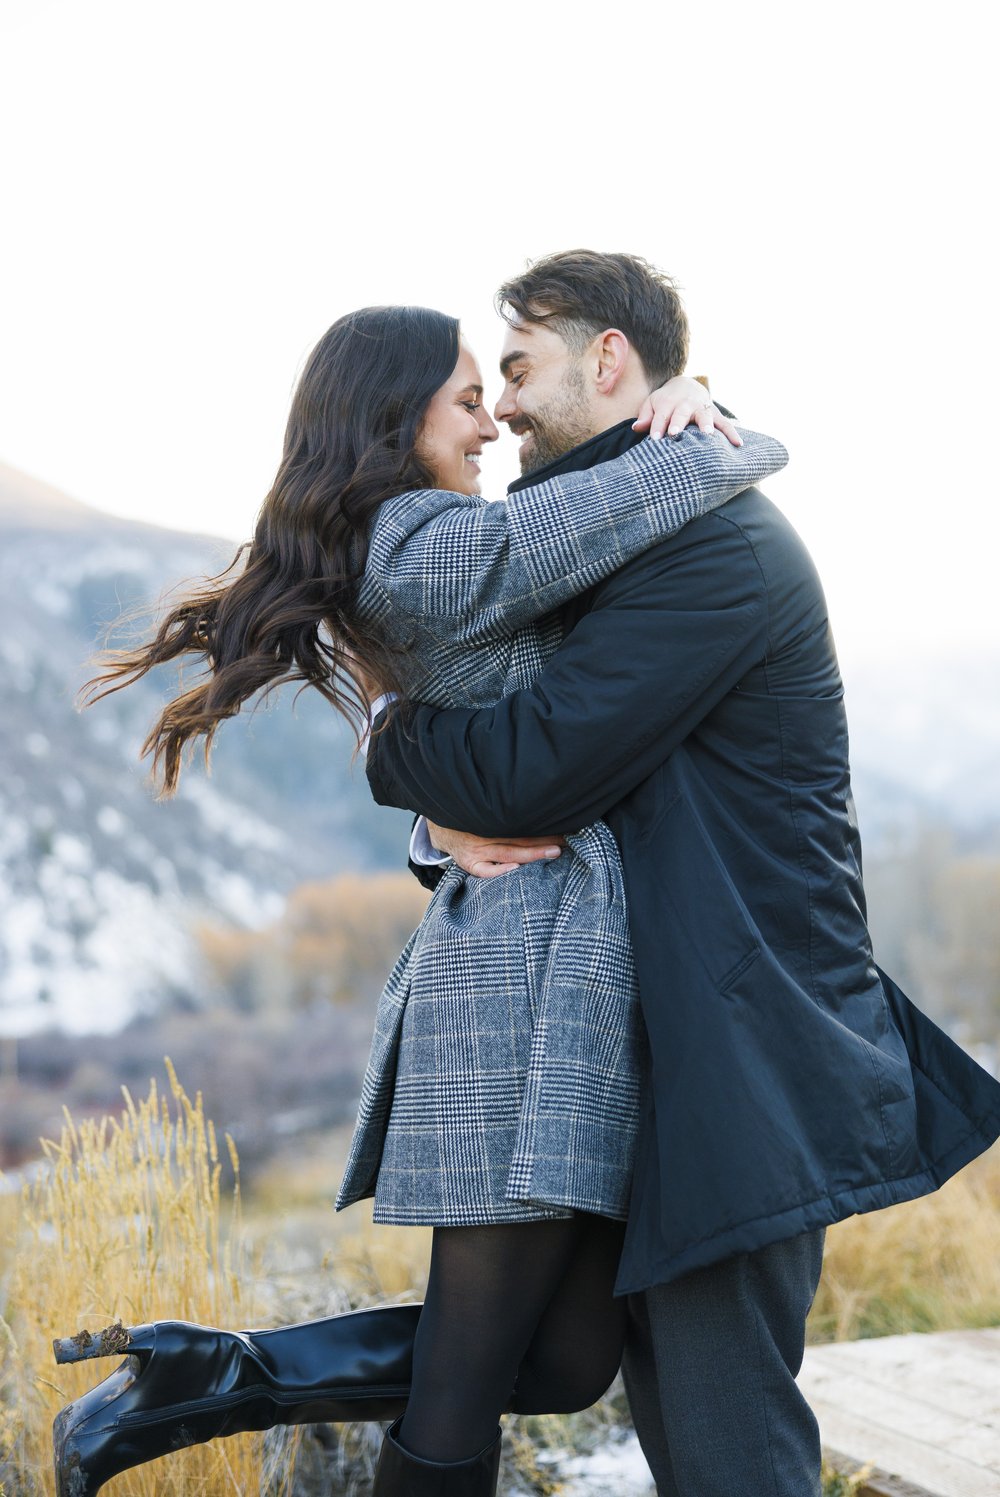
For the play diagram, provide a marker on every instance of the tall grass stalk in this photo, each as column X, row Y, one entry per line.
column 124, row 1219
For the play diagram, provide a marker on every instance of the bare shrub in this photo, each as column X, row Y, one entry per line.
column 335, row 941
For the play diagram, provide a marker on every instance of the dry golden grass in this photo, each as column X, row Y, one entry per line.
column 928, row 1265
column 124, row 1219
column 844, row 1483
column 127, row 1219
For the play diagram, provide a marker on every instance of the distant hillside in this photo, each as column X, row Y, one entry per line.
column 925, row 743
column 98, row 882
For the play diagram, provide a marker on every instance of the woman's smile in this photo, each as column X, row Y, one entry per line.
column 455, row 417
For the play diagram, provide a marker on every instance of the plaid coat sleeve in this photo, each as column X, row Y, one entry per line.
column 472, row 571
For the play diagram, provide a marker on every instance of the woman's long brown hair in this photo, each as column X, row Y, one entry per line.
column 284, row 609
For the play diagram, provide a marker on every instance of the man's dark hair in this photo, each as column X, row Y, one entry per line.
column 579, row 293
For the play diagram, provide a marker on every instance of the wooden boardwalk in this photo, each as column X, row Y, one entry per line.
column 923, row 1410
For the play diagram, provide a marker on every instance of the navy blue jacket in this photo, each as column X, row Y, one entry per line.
column 697, row 706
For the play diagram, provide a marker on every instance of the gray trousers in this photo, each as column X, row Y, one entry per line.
column 709, row 1367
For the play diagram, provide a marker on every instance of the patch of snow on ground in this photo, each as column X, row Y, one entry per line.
column 241, row 901
column 110, row 821
column 50, row 596
column 613, row 1470
column 89, row 960
column 231, row 819
column 66, row 570
column 13, row 835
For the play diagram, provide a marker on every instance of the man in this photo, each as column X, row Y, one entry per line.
column 696, row 705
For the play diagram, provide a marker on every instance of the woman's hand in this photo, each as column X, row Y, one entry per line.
column 676, row 404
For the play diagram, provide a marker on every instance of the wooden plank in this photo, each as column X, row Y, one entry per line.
column 947, row 1374
column 978, row 1350
column 877, row 1483
column 905, row 1415
column 902, row 1456
column 979, row 1346
column 925, row 1410
column 881, row 1484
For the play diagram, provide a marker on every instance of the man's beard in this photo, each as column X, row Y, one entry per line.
column 561, row 424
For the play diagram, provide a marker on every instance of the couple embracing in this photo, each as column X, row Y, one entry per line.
column 638, row 1055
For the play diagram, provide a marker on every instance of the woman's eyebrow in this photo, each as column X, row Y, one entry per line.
column 471, row 390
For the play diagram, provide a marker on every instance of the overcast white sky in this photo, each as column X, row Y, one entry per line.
column 192, row 192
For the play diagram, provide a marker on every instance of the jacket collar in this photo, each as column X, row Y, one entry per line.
column 599, row 449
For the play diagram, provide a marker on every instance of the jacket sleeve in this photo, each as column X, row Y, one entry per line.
column 668, row 636
column 472, row 571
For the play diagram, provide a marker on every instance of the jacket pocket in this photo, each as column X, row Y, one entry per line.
column 698, row 894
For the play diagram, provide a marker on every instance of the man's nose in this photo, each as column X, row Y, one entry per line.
column 506, row 405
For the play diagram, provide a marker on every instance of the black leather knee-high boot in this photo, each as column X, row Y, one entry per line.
column 181, row 1384
column 399, row 1473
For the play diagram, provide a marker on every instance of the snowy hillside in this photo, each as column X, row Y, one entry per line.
column 99, row 884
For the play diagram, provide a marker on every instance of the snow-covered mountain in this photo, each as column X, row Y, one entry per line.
column 99, row 883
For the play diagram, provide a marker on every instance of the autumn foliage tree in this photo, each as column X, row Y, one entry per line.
column 336, row 941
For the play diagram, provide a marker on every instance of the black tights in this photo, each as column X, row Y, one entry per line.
column 524, row 1306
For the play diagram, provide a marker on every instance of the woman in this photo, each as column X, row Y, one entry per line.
column 501, row 1098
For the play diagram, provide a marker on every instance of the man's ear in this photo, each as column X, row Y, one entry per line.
column 612, row 350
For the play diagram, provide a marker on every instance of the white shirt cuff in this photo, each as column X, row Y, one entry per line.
column 379, row 705
column 422, row 849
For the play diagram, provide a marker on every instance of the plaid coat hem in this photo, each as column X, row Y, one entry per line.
column 505, row 1069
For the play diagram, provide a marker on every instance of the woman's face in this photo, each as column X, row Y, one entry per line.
column 455, row 427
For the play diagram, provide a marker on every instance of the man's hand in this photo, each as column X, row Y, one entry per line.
column 487, row 858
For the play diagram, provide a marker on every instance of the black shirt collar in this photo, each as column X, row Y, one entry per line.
column 599, row 449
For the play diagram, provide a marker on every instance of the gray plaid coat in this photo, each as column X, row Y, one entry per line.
column 504, row 1077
